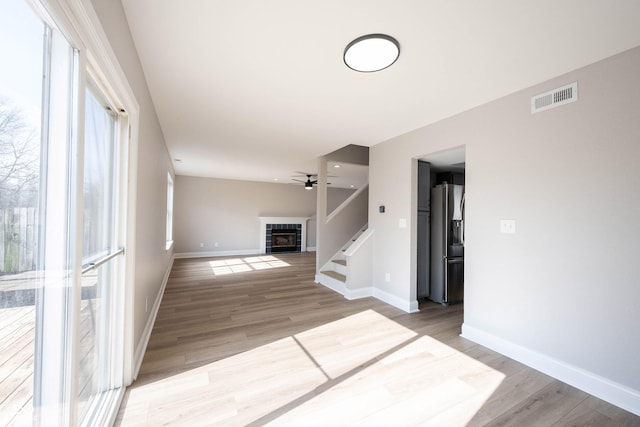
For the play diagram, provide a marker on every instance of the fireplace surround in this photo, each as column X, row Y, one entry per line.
column 269, row 224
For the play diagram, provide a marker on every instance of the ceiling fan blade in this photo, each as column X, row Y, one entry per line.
column 299, row 180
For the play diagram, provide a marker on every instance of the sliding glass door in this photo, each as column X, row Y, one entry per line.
column 20, row 119
column 63, row 202
column 100, row 363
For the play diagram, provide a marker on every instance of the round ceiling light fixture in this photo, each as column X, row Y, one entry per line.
column 373, row 52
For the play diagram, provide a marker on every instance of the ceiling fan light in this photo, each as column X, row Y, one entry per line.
column 308, row 185
column 373, row 52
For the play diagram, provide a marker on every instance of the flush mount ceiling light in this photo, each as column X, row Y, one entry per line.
column 373, row 52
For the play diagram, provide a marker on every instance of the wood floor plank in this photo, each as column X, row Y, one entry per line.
column 544, row 408
column 235, row 344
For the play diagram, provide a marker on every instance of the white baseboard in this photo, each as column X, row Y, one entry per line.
column 358, row 293
column 210, row 254
column 141, row 348
column 331, row 283
column 603, row 388
column 404, row 305
column 351, row 294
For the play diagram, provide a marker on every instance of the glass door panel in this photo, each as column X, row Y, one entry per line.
column 21, row 51
column 54, row 338
column 100, row 258
column 61, row 332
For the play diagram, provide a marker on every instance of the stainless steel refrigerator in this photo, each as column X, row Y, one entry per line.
column 447, row 244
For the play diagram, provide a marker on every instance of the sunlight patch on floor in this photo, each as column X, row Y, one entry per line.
column 364, row 369
column 340, row 346
column 242, row 265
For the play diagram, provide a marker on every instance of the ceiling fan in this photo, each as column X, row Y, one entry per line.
column 308, row 184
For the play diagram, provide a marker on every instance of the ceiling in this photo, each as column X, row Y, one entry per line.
column 452, row 160
column 257, row 90
column 345, row 175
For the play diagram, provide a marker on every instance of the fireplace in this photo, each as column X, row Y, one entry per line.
column 270, row 223
column 283, row 238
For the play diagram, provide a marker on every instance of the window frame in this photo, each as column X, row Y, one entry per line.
column 77, row 21
column 169, row 224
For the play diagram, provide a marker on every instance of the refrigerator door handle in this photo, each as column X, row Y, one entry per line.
column 445, row 243
column 445, row 220
column 462, row 223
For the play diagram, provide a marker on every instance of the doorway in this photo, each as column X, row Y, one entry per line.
column 440, row 226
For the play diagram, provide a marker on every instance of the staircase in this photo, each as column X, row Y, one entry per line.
column 334, row 274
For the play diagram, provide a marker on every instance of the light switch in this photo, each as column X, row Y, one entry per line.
column 402, row 223
column 508, row 226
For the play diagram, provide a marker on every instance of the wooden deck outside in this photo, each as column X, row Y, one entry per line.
column 17, row 346
column 17, row 326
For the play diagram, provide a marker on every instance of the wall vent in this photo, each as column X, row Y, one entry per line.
column 554, row 98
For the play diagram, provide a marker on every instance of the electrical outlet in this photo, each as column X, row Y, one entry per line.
column 387, row 277
column 508, row 226
column 215, row 244
column 202, row 245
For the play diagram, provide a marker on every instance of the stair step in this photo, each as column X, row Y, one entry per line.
column 340, row 261
column 335, row 275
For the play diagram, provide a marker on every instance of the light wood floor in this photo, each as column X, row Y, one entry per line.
column 253, row 341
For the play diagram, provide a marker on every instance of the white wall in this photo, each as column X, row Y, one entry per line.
column 152, row 260
column 335, row 197
column 333, row 234
column 225, row 211
column 566, row 286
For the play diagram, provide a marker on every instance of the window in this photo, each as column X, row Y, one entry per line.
column 21, row 50
column 99, row 370
column 169, row 211
column 55, row 303
column 63, row 215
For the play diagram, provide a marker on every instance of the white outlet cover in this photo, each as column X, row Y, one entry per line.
column 508, row 226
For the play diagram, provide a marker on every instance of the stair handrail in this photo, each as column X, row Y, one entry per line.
column 344, row 204
column 355, row 246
